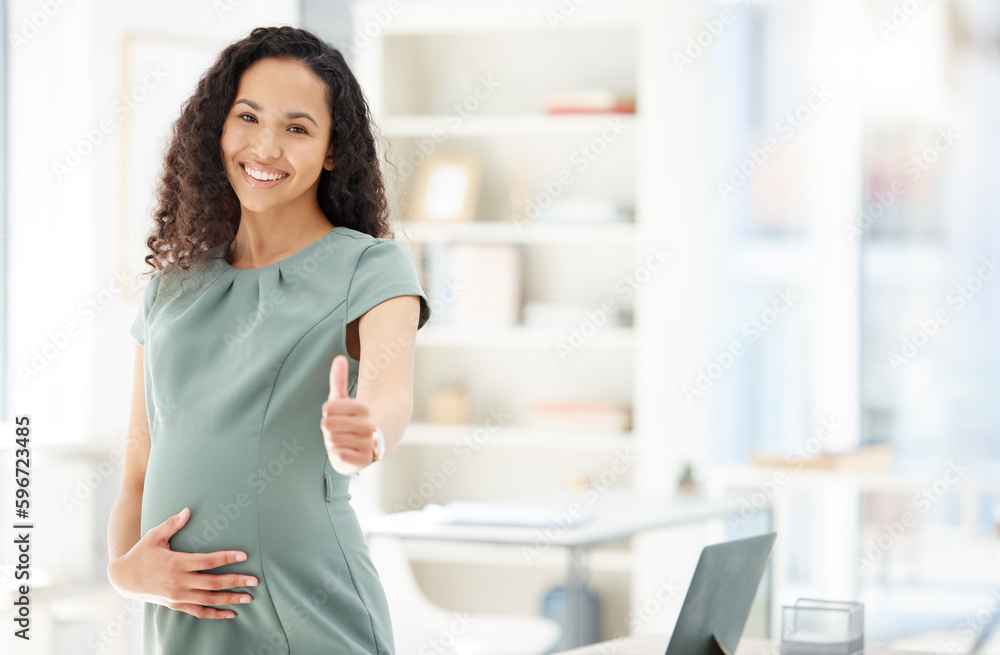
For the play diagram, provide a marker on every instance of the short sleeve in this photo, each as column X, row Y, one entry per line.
column 138, row 329
column 384, row 271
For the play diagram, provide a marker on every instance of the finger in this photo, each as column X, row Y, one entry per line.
column 352, row 424
column 213, row 581
column 347, row 439
column 345, row 407
column 342, row 450
column 208, row 561
column 202, row 612
column 347, row 453
column 214, row 597
column 338, row 378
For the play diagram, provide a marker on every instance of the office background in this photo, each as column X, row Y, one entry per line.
column 819, row 178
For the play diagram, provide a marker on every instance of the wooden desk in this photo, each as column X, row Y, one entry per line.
column 657, row 645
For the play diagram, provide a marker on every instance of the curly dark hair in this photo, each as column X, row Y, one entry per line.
column 197, row 206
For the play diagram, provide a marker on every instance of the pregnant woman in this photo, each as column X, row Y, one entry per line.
column 277, row 291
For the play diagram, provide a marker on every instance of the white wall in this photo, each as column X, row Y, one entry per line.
column 66, row 78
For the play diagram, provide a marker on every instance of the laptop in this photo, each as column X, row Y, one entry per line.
column 717, row 603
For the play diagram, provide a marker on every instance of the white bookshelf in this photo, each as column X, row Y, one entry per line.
column 429, row 56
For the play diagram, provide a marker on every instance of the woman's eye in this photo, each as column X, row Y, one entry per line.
column 294, row 127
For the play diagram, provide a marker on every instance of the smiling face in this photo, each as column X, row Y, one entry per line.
column 276, row 138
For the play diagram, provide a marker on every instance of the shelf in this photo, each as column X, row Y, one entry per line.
column 509, row 232
column 439, row 17
column 418, row 126
column 518, row 336
column 434, row 434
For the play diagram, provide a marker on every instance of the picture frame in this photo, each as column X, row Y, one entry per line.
column 447, row 188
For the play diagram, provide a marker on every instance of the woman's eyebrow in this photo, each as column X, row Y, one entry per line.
column 290, row 115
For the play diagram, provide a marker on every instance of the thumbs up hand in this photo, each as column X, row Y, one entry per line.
column 346, row 424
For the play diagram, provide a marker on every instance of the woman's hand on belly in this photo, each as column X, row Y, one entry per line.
column 153, row 573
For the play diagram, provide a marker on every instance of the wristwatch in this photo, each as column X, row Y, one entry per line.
column 378, row 445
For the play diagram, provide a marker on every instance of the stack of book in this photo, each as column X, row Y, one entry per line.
column 588, row 101
column 580, row 416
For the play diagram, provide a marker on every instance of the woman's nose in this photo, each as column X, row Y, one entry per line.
column 265, row 145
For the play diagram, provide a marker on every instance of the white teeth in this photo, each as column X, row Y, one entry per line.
column 262, row 176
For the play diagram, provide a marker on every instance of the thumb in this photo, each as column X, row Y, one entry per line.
column 338, row 378
column 170, row 527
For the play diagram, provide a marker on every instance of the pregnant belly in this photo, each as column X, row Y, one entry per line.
column 217, row 479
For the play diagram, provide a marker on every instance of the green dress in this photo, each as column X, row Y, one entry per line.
column 237, row 367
